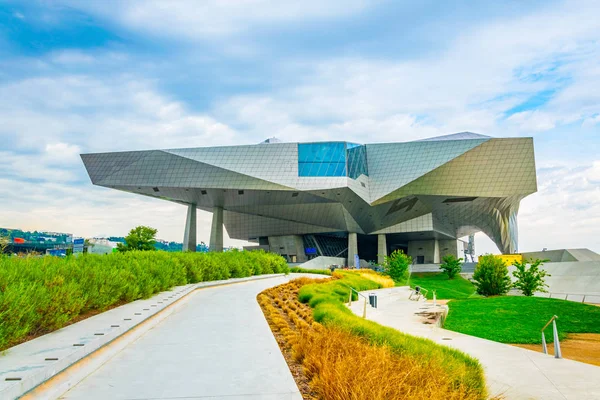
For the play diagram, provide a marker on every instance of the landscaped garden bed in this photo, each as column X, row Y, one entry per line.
column 334, row 354
column 41, row 294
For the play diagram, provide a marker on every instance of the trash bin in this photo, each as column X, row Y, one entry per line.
column 373, row 300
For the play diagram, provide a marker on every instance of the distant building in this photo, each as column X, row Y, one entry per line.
column 339, row 198
column 101, row 246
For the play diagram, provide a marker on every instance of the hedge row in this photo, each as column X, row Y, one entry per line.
column 39, row 295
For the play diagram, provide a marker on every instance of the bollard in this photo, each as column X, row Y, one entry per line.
column 365, row 309
column 557, row 353
column 350, row 299
column 544, row 347
column 434, row 299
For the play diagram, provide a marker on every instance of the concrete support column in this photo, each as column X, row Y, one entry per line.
column 216, row 230
column 189, row 236
column 381, row 249
column 352, row 249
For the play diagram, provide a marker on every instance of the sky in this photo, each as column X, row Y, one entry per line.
column 103, row 75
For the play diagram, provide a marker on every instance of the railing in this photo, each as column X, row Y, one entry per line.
column 557, row 352
column 359, row 294
column 419, row 292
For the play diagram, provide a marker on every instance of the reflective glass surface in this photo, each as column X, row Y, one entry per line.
column 322, row 159
column 332, row 159
column 357, row 161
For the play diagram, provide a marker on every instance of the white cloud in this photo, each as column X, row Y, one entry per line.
column 90, row 211
column 532, row 121
column 100, row 115
column 201, row 20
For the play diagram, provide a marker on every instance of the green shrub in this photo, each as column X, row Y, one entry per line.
column 42, row 294
column 396, row 265
column 451, row 265
column 530, row 280
column 491, row 276
column 299, row 270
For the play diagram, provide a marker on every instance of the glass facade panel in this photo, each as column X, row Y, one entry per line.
column 357, row 161
column 322, row 159
column 332, row 159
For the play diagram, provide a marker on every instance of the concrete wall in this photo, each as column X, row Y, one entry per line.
column 552, row 255
column 564, row 255
column 291, row 245
column 427, row 248
column 451, row 247
column 323, row 262
column 572, row 280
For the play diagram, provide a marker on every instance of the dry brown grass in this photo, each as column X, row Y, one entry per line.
column 332, row 364
column 384, row 281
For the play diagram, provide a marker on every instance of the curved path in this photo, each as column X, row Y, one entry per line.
column 216, row 346
column 511, row 372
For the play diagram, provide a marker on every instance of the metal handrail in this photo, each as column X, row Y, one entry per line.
column 557, row 352
column 421, row 290
column 360, row 294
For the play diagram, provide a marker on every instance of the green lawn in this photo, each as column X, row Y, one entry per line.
column 457, row 288
column 512, row 319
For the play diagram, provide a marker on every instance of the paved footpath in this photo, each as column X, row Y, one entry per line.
column 511, row 372
column 216, row 346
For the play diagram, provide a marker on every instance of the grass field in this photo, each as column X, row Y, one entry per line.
column 457, row 288
column 515, row 319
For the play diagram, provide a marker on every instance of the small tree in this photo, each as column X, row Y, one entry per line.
column 491, row 276
column 530, row 280
column 139, row 238
column 396, row 265
column 451, row 266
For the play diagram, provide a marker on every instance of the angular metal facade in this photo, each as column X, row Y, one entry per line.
column 452, row 186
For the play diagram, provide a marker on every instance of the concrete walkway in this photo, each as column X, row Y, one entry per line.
column 216, row 346
column 510, row 371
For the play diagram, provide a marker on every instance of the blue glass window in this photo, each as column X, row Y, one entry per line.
column 322, row 159
column 332, row 159
column 357, row 161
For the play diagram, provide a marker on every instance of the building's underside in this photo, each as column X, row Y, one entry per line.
column 337, row 197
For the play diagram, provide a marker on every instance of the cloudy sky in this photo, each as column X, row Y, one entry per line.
column 102, row 75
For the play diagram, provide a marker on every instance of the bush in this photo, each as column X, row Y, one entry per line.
column 396, row 265
column 41, row 294
column 491, row 276
column 451, row 266
column 530, row 280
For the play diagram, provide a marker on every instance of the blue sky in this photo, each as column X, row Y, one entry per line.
column 117, row 75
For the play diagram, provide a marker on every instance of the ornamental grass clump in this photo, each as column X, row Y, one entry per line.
column 336, row 355
column 42, row 294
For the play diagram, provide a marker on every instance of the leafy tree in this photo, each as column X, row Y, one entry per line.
column 491, row 276
column 451, row 265
column 396, row 265
column 530, row 280
column 139, row 238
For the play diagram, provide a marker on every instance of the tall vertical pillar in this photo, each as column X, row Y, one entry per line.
column 381, row 248
column 189, row 236
column 352, row 249
column 216, row 230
